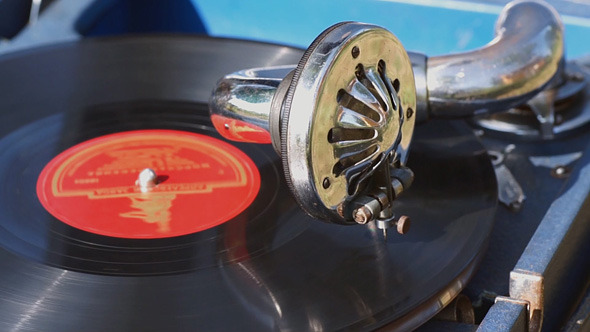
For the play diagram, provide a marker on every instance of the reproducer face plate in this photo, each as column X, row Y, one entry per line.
column 350, row 106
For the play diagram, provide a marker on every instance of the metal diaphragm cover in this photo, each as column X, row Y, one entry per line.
column 348, row 110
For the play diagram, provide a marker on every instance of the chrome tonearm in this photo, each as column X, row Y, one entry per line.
column 343, row 118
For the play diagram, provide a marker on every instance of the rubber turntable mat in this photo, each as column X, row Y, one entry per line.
column 269, row 268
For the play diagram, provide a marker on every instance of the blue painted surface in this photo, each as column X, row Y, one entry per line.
column 433, row 30
column 114, row 17
column 433, row 27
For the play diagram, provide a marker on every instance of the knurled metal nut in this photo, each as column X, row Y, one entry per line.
column 362, row 215
column 403, row 224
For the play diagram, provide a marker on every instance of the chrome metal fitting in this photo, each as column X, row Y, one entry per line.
column 343, row 118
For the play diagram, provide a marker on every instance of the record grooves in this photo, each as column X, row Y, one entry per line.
column 270, row 267
column 58, row 244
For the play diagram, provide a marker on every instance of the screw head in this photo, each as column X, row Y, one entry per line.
column 355, row 52
column 561, row 172
column 340, row 210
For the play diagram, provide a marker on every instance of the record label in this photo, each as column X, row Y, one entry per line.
column 201, row 182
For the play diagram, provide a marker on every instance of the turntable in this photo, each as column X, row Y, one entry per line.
column 182, row 182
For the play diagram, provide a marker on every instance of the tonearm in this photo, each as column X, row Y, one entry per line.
column 342, row 119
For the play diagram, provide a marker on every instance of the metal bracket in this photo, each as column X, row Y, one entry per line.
column 528, row 286
column 553, row 264
column 523, row 310
column 507, row 315
column 510, row 192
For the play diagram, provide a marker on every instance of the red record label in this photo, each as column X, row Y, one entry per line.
column 201, row 182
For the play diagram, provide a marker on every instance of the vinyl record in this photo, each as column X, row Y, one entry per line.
column 219, row 244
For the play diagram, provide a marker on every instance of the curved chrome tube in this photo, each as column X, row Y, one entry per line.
column 241, row 103
column 525, row 55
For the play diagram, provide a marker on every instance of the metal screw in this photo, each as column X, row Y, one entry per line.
column 340, row 209
column 403, row 224
column 362, row 215
column 326, row 183
column 560, row 172
column 355, row 52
